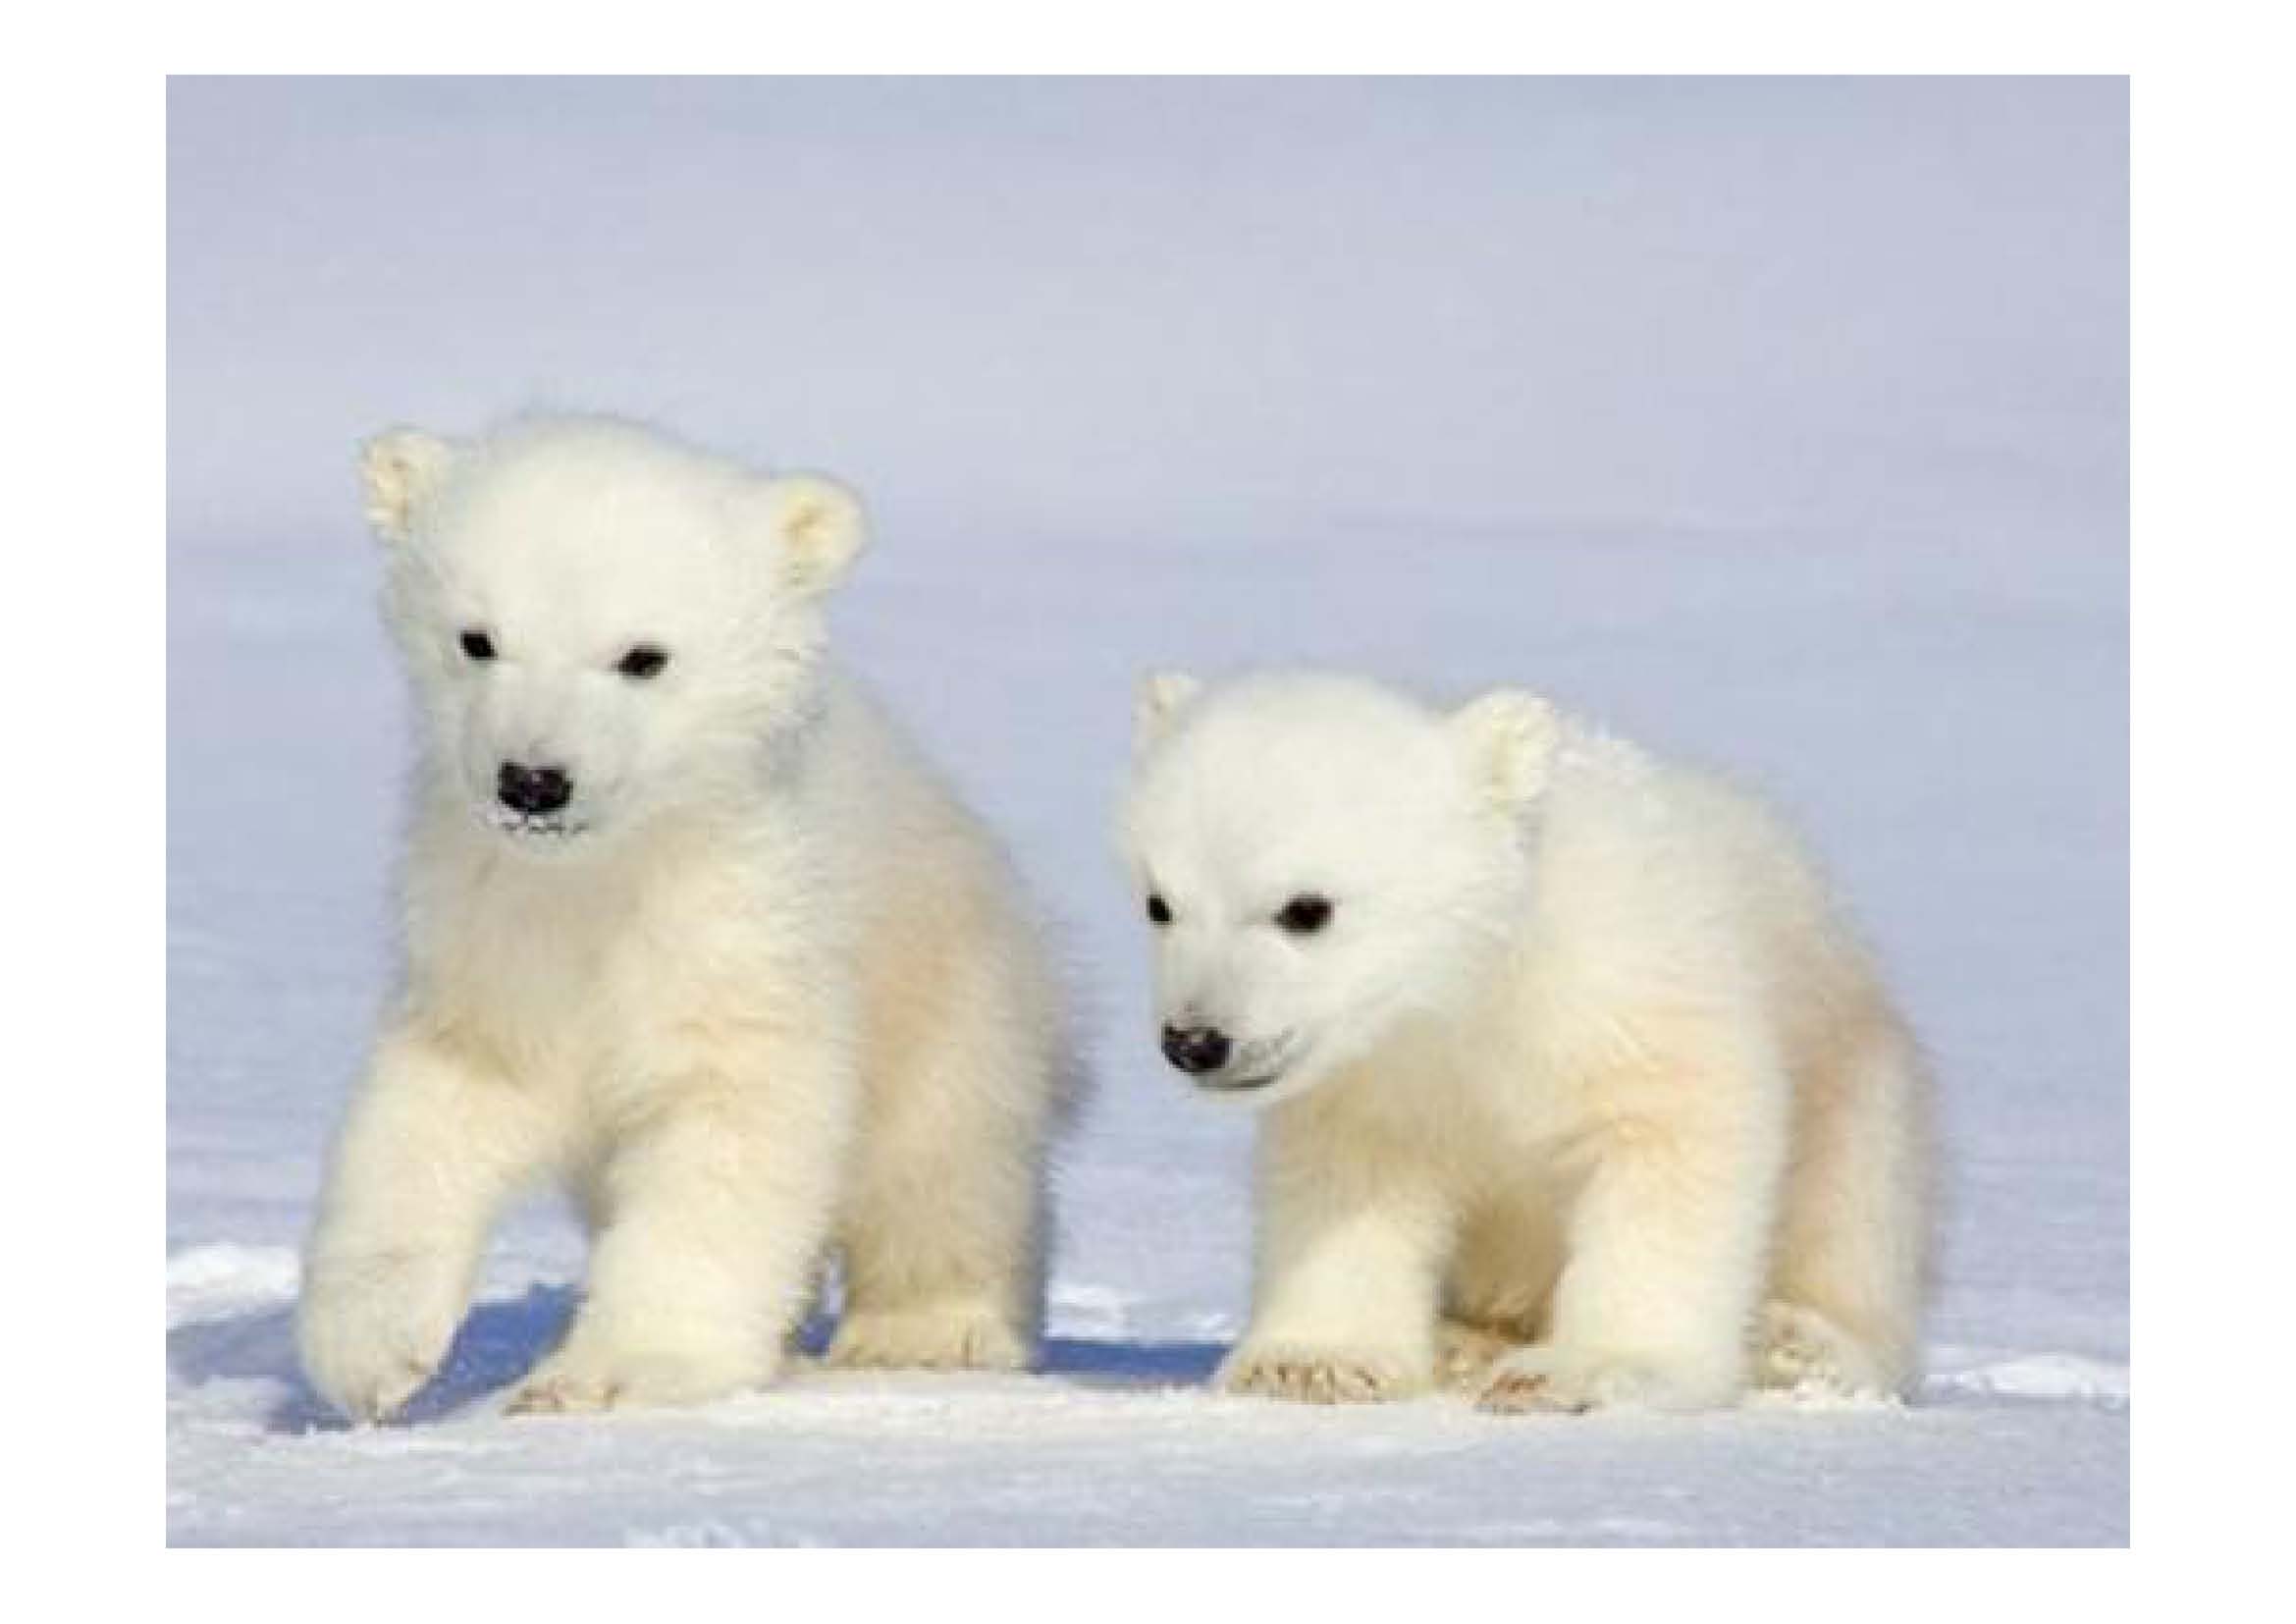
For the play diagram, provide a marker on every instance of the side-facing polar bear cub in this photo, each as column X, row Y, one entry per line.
column 1581, row 1091
column 688, row 925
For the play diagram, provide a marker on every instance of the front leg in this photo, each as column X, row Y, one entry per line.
column 714, row 1209
column 1666, row 1253
column 1349, row 1266
column 431, row 1146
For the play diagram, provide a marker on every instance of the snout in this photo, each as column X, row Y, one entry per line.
column 533, row 791
column 1196, row 1050
column 1217, row 1061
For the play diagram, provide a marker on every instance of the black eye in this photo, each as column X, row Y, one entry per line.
column 1160, row 911
column 478, row 645
column 643, row 661
column 1304, row 915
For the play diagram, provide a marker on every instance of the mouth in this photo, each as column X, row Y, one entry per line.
column 547, row 829
column 1238, row 1085
column 1260, row 1065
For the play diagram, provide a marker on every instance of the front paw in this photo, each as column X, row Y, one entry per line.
column 586, row 1376
column 372, row 1329
column 1570, row 1381
column 1313, row 1375
column 945, row 1340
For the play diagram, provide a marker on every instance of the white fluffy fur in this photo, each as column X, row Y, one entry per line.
column 762, row 991
column 1586, row 1095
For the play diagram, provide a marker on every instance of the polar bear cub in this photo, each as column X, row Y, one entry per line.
column 1577, row 1087
column 688, row 925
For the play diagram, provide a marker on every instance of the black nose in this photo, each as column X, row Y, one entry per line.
column 1195, row 1048
column 532, row 791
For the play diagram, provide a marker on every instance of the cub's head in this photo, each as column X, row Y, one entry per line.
column 602, row 625
column 1318, row 859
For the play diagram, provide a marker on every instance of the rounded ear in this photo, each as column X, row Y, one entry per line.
column 399, row 470
column 1162, row 696
column 1509, row 738
column 815, row 523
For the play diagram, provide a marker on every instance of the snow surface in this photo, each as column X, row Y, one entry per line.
column 1783, row 424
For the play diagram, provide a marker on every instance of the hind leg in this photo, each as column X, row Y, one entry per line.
column 1845, row 1306
column 942, row 1236
column 1500, row 1287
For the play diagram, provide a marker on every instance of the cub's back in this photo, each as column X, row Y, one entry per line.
column 1661, row 880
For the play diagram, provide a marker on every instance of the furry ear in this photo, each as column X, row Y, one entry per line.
column 399, row 469
column 817, row 526
column 1509, row 738
column 1162, row 696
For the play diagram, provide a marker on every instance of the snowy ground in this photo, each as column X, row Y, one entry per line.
column 1784, row 425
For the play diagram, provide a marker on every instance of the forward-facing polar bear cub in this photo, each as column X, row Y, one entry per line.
column 1581, row 1090
column 689, row 925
